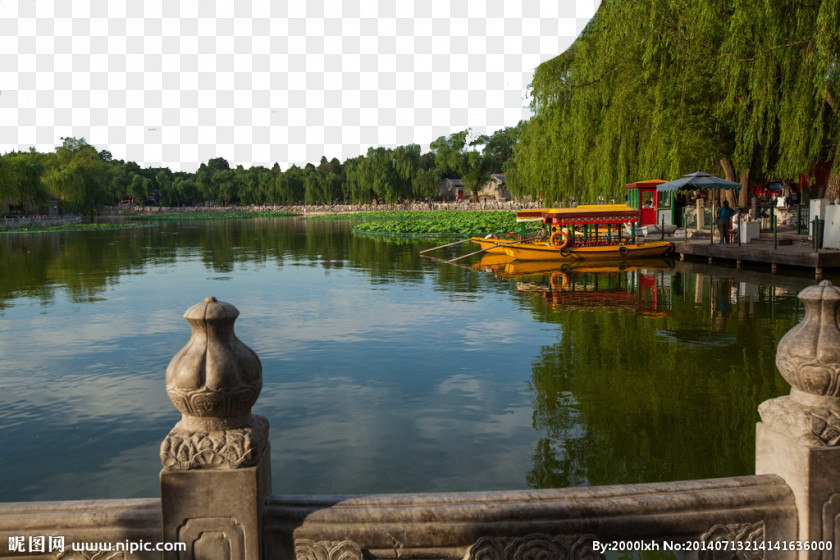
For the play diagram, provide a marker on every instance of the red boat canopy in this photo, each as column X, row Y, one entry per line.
column 591, row 214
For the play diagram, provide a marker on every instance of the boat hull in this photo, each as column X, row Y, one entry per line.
column 488, row 244
column 545, row 252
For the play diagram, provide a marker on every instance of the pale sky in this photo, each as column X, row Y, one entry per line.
column 175, row 83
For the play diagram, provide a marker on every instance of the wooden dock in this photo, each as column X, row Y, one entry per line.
column 791, row 250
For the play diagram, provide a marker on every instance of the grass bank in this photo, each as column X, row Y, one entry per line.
column 69, row 227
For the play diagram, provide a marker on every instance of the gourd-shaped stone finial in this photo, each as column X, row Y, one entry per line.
column 215, row 379
column 808, row 356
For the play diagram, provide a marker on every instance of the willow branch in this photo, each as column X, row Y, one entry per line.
column 752, row 59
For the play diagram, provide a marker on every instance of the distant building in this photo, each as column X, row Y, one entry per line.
column 50, row 207
column 451, row 189
column 495, row 188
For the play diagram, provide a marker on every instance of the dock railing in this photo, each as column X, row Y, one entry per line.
column 216, row 500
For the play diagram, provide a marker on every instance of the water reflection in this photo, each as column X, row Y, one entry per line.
column 362, row 342
column 667, row 387
column 84, row 264
column 383, row 371
column 640, row 287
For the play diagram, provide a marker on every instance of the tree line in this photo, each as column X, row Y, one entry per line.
column 662, row 88
column 650, row 89
column 83, row 179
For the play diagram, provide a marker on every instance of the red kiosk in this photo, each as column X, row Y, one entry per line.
column 652, row 205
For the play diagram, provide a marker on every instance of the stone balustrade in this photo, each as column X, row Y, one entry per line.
column 483, row 525
column 216, row 482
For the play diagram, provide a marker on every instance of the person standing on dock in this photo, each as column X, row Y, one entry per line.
column 736, row 221
column 724, row 220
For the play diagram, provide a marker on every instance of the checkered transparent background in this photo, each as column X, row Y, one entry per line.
column 177, row 82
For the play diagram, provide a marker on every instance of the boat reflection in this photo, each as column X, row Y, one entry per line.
column 493, row 262
column 641, row 287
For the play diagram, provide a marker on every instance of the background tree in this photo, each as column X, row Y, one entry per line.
column 449, row 154
column 206, row 180
column 138, row 189
column 312, row 185
column 475, row 171
column 498, row 147
column 227, row 185
column 406, row 166
column 168, row 195
column 427, row 178
column 355, row 187
column 186, row 189
column 78, row 176
column 21, row 174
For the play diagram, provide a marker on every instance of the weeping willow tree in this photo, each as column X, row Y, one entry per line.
column 779, row 66
column 660, row 88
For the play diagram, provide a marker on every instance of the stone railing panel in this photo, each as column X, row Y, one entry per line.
column 480, row 524
column 55, row 530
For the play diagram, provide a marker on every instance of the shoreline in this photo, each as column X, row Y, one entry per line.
column 318, row 209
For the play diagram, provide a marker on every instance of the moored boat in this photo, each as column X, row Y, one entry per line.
column 584, row 232
column 495, row 244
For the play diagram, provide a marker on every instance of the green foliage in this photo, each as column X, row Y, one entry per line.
column 85, row 179
column 441, row 223
column 660, row 88
column 66, row 227
column 79, row 177
column 609, row 372
column 453, row 157
column 139, row 189
column 21, row 174
column 498, row 147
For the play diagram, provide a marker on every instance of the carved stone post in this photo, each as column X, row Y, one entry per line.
column 799, row 434
column 216, row 473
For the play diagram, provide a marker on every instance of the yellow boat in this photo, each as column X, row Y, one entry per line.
column 547, row 251
column 585, row 232
column 493, row 244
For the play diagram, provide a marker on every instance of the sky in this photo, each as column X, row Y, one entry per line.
column 175, row 83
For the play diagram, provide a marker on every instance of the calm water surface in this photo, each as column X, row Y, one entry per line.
column 382, row 371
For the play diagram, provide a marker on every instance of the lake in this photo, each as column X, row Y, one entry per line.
column 383, row 371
